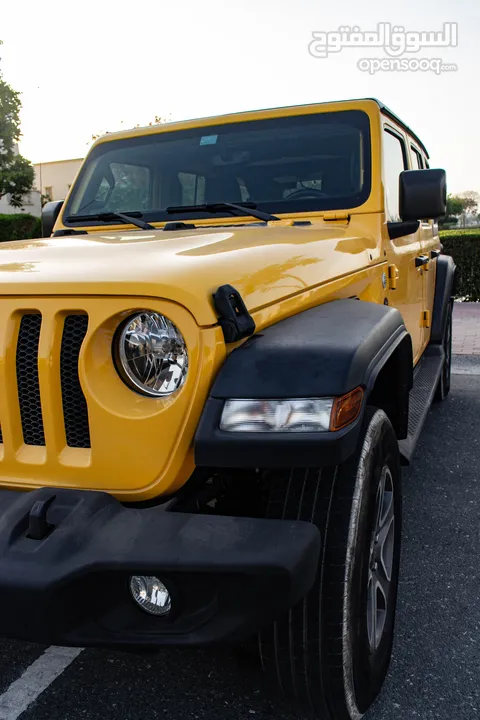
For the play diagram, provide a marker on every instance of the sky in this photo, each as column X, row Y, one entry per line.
column 100, row 66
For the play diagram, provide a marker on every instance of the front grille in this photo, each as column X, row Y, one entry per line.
column 75, row 413
column 27, row 380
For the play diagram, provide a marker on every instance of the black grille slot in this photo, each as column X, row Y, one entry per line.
column 75, row 412
column 27, row 380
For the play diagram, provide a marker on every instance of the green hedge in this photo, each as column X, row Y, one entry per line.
column 464, row 247
column 20, row 226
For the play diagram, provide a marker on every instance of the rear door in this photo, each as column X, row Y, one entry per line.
column 402, row 252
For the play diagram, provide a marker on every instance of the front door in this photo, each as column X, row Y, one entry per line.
column 403, row 252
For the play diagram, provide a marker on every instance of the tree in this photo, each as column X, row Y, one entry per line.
column 471, row 201
column 16, row 173
column 455, row 208
column 158, row 120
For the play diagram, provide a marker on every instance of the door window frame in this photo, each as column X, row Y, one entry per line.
column 397, row 133
column 416, row 153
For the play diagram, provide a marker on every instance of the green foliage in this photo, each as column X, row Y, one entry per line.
column 16, row 173
column 470, row 201
column 19, row 227
column 454, row 210
column 18, row 180
column 456, row 206
column 467, row 233
column 464, row 247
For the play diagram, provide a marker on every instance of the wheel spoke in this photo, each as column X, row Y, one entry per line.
column 372, row 611
column 385, row 548
column 386, row 506
column 383, row 583
column 381, row 559
column 380, row 500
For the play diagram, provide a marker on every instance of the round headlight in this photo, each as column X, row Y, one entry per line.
column 151, row 355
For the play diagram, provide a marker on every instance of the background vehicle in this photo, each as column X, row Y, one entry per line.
column 231, row 340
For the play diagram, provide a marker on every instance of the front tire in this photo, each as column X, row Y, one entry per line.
column 331, row 653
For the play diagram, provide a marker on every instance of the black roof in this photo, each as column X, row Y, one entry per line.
column 383, row 108
column 386, row 111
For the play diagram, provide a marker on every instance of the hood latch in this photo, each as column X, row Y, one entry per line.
column 235, row 320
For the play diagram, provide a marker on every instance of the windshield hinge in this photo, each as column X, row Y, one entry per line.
column 235, row 320
column 336, row 215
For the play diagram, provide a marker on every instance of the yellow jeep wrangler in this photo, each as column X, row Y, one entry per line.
column 211, row 370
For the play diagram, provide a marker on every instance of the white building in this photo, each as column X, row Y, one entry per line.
column 54, row 179
column 31, row 204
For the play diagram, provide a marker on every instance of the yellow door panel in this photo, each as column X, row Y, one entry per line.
column 407, row 296
column 430, row 245
column 405, row 279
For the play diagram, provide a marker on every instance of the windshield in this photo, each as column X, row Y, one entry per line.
column 283, row 165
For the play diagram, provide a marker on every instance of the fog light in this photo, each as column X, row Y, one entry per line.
column 150, row 594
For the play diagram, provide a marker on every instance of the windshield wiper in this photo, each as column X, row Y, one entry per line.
column 127, row 218
column 243, row 209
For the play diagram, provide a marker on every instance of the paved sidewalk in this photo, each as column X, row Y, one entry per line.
column 466, row 329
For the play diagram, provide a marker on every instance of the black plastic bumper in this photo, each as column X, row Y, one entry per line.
column 227, row 576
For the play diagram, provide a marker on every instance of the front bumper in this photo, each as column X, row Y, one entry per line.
column 227, row 576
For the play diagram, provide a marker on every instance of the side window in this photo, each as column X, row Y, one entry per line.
column 417, row 159
column 394, row 162
column 193, row 188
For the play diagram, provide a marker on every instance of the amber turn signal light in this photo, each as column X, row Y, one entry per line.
column 346, row 409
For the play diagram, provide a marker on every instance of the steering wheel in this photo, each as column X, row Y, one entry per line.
column 306, row 193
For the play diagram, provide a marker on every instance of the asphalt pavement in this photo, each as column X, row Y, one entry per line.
column 435, row 668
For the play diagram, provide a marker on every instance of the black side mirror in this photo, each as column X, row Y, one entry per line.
column 50, row 213
column 423, row 194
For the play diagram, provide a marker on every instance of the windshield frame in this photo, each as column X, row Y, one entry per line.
column 276, row 207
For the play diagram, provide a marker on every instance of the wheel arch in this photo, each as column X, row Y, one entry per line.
column 325, row 351
column 444, row 290
column 392, row 384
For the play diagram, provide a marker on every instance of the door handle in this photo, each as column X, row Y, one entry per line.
column 421, row 260
column 434, row 254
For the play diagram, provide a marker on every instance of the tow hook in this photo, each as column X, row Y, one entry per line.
column 38, row 527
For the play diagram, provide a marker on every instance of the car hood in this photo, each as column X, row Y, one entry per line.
column 264, row 263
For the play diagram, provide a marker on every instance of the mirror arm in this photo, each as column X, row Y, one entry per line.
column 404, row 227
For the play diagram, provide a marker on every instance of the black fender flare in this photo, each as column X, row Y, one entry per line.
column 326, row 351
column 444, row 289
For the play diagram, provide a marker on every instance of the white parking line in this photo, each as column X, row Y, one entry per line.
column 36, row 678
